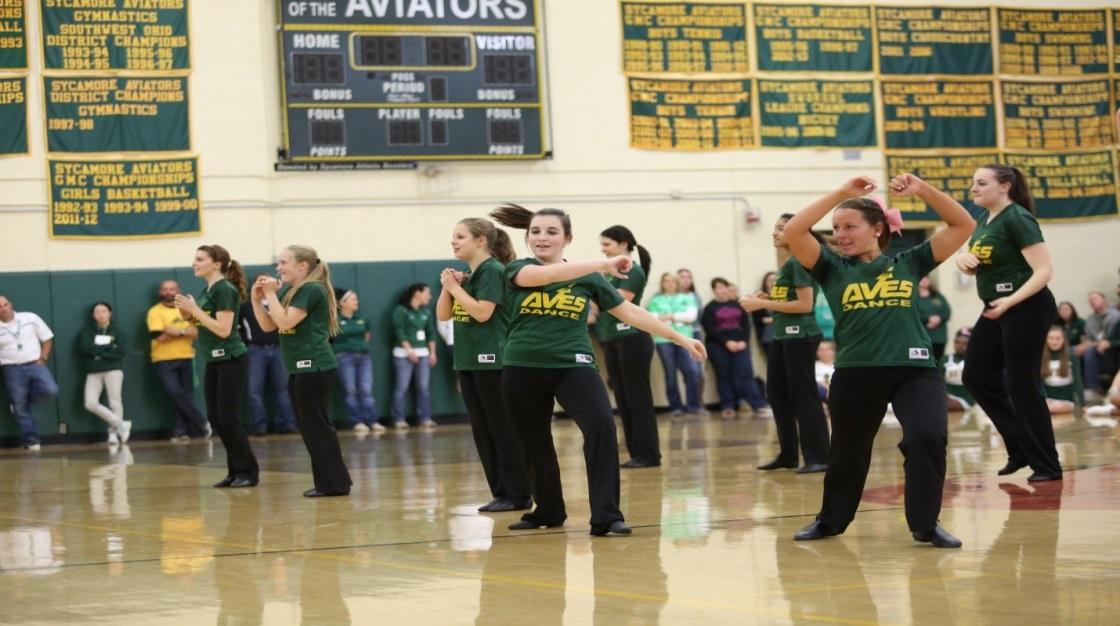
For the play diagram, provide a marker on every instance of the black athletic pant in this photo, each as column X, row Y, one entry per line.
column 628, row 368
column 791, row 387
column 528, row 393
column 1002, row 370
column 497, row 446
column 224, row 385
column 310, row 394
column 857, row 400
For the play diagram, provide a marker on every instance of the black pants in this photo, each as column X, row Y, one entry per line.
column 310, row 394
column 528, row 393
column 792, row 389
column 628, row 367
column 1002, row 370
column 858, row 400
column 497, row 446
column 224, row 387
column 177, row 378
column 938, row 351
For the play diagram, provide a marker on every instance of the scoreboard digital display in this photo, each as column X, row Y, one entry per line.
column 412, row 80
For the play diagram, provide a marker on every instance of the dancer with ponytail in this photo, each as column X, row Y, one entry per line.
column 306, row 314
column 475, row 301
column 216, row 313
column 1003, row 369
column 629, row 353
column 883, row 352
column 548, row 357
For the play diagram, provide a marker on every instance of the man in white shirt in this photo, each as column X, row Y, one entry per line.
column 25, row 346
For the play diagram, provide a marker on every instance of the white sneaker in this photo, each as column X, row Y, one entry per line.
column 361, row 429
column 114, row 439
column 401, row 425
column 32, row 447
column 763, row 413
column 428, row 425
column 378, row 428
column 1102, row 410
column 124, row 431
column 180, row 438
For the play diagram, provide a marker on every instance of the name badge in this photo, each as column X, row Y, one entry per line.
column 793, row 330
column 1004, row 288
column 421, row 335
column 487, row 358
column 584, row 358
column 218, row 353
column 919, row 354
column 302, row 365
column 102, row 340
column 621, row 326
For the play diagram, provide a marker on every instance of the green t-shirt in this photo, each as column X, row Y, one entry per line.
column 999, row 243
column 548, row 324
column 306, row 348
column 478, row 346
column 1057, row 387
column 793, row 325
column 351, row 335
column 609, row 327
column 876, row 318
column 936, row 304
column 221, row 296
column 416, row 326
column 673, row 304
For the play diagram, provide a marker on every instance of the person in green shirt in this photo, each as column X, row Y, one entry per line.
column 1011, row 262
column 355, row 366
column 216, row 315
column 1061, row 374
column 629, row 353
column 474, row 302
column 679, row 311
column 791, row 385
column 1071, row 322
column 883, row 353
column 305, row 313
column 414, row 354
column 935, row 312
column 548, row 358
column 103, row 346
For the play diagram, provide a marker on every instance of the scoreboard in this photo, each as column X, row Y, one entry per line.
column 412, row 80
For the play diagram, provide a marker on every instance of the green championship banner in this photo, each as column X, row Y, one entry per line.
column 939, row 114
column 89, row 114
column 817, row 113
column 13, row 35
column 1070, row 186
column 690, row 114
column 1053, row 43
column 1116, row 40
column 13, row 116
column 934, row 40
column 1057, row 115
column 115, row 35
column 684, row 37
column 813, row 38
column 128, row 198
column 951, row 174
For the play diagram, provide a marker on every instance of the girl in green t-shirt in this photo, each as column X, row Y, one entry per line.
column 1061, row 374
column 548, row 357
column 1070, row 322
column 414, row 354
column 791, row 386
column 679, row 311
column 474, row 300
column 103, row 346
column 883, row 352
column 355, row 366
column 1011, row 263
column 629, row 353
column 935, row 313
column 305, row 313
column 216, row 312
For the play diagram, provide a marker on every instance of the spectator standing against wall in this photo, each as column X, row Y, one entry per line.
column 25, row 346
column 173, row 357
column 935, row 312
column 414, row 354
column 678, row 310
column 266, row 367
column 355, row 366
column 727, row 333
column 103, row 347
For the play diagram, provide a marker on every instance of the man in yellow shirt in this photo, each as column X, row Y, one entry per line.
column 173, row 355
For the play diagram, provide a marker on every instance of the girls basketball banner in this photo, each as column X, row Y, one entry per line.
column 13, row 116
column 124, row 199
column 13, row 35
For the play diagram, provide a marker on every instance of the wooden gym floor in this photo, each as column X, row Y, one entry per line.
column 139, row 537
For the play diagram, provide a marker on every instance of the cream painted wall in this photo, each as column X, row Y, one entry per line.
column 686, row 208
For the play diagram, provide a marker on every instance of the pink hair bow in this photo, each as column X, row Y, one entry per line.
column 893, row 217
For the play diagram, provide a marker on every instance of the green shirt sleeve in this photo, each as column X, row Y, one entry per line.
column 398, row 326
column 513, row 268
column 119, row 347
column 1023, row 229
column 826, row 264
column 488, row 285
column 604, row 295
column 799, row 276
column 85, row 342
column 309, row 297
column 226, row 298
column 920, row 258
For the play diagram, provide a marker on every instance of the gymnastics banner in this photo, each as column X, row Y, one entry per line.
column 813, row 38
column 1071, row 185
column 691, row 114
column 819, row 113
column 951, row 174
column 939, row 114
column 116, row 114
column 13, row 35
column 127, row 198
column 13, row 116
column 115, row 35
column 684, row 37
column 934, row 40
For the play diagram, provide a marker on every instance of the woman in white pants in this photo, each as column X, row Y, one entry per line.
column 103, row 347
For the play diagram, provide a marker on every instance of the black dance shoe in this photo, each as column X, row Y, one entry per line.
column 811, row 468
column 489, row 505
column 241, row 483
column 1011, row 468
column 816, row 530
column 636, row 464
column 939, row 537
column 1039, row 477
column 315, row 493
column 617, row 527
column 777, row 463
column 223, row 483
column 501, row 505
column 531, row 525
